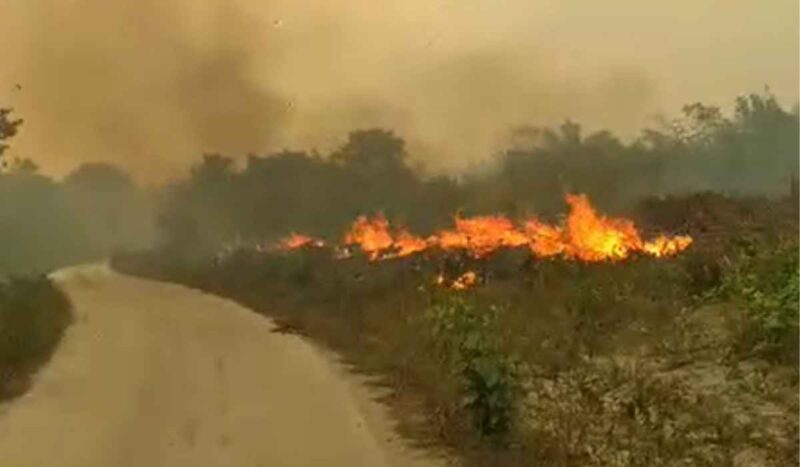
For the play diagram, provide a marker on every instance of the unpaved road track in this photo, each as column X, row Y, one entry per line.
column 152, row 374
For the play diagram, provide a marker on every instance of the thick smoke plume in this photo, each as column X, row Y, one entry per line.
column 152, row 84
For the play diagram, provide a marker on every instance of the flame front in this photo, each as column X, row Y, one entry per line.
column 585, row 235
column 373, row 236
column 667, row 246
column 408, row 244
column 545, row 240
column 294, row 241
column 480, row 235
column 377, row 241
column 592, row 237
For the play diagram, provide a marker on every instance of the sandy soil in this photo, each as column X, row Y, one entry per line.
column 154, row 374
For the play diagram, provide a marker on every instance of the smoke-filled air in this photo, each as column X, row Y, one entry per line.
column 149, row 85
column 399, row 233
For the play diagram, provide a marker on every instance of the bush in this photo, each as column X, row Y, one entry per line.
column 609, row 413
column 765, row 282
column 619, row 363
column 33, row 316
column 470, row 343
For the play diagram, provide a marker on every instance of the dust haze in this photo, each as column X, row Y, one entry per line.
column 150, row 85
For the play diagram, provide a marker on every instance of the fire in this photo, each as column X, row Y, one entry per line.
column 481, row 235
column 377, row 241
column 589, row 236
column 408, row 244
column 592, row 237
column 545, row 240
column 294, row 241
column 585, row 235
column 666, row 246
column 463, row 282
column 373, row 236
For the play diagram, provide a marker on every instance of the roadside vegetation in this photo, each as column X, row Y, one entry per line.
column 684, row 360
column 33, row 317
column 47, row 223
column 689, row 360
column 33, row 312
column 765, row 283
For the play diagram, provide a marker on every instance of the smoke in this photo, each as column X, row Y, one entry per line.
column 127, row 82
column 151, row 84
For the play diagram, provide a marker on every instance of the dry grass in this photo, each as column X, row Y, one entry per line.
column 623, row 364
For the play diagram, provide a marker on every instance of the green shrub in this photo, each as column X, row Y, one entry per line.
column 765, row 281
column 471, row 345
column 33, row 315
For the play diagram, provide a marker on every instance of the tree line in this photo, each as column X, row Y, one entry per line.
column 47, row 223
column 754, row 151
column 97, row 208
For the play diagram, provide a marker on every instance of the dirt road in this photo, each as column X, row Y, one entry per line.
column 153, row 374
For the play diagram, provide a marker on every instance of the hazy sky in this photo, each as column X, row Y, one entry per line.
column 152, row 84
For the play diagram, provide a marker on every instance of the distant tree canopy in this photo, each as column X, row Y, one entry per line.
column 45, row 224
column 754, row 151
column 111, row 210
column 99, row 177
column 373, row 152
column 8, row 128
column 97, row 208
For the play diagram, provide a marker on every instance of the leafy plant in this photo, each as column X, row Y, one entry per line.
column 766, row 283
column 33, row 316
column 471, row 344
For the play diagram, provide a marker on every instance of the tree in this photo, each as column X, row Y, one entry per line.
column 99, row 178
column 111, row 209
column 372, row 151
column 24, row 166
column 373, row 165
column 196, row 215
column 8, row 129
column 214, row 168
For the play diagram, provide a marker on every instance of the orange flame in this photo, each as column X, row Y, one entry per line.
column 375, row 239
column 589, row 236
column 545, row 240
column 294, row 241
column 463, row 282
column 666, row 246
column 408, row 244
column 481, row 235
column 592, row 237
column 585, row 235
column 372, row 236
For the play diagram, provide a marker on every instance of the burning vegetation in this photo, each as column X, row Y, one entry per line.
column 687, row 360
column 585, row 235
column 294, row 241
column 582, row 338
column 462, row 282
